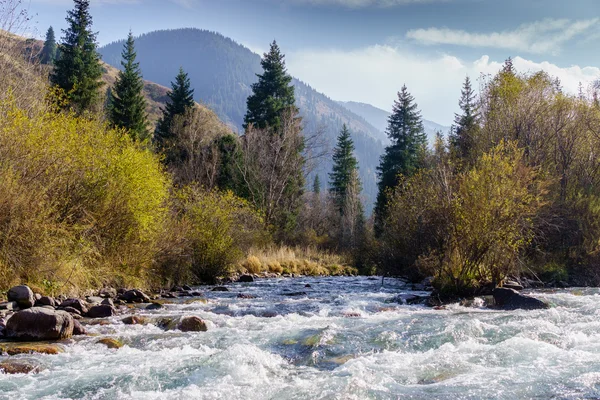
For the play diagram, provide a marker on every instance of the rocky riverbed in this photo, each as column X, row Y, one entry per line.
column 308, row 338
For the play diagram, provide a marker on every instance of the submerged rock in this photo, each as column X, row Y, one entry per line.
column 510, row 299
column 246, row 279
column 220, row 289
column 39, row 323
column 135, row 320
column 13, row 367
column 22, row 295
column 13, row 349
column 111, row 343
column 192, row 324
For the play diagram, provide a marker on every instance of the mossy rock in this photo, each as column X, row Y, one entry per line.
column 135, row 320
column 111, row 343
column 13, row 349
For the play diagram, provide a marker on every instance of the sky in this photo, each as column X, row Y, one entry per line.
column 365, row 50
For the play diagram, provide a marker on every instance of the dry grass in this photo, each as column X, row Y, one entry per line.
column 295, row 260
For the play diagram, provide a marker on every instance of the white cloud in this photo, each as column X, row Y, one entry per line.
column 547, row 36
column 375, row 74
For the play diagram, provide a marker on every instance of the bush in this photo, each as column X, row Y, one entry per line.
column 211, row 232
column 80, row 204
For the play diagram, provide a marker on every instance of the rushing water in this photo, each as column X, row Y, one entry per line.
column 343, row 339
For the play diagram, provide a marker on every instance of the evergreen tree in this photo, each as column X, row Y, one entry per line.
column 272, row 94
column 128, row 106
column 317, row 185
column 465, row 124
column 404, row 155
column 78, row 70
column 49, row 49
column 181, row 97
column 344, row 166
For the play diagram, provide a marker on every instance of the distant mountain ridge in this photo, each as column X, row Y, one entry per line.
column 222, row 73
column 379, row 119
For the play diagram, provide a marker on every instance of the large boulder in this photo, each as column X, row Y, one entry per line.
column 39, row 323
column 101, row 311
column 22, row 295
column 134, row 296
column 192, row 324
column 78, row 329
column 510, row 299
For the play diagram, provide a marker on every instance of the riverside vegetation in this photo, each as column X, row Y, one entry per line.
column 98, row 190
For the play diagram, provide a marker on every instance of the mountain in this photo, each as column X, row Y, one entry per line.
column 379, row 119
column 222, row 73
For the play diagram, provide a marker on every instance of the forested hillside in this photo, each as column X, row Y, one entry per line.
column 222, row 72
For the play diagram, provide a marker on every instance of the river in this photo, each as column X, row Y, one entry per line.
column 342, row 339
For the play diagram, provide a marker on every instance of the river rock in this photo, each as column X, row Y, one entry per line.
column 14, row 349
column 186, row 287
column 77, row 304
column 220, row 289
column 108, row 302
column 135, row 296
column 45, row 301
column 134, row 320
column 13, row 367
column 294, row 294
column 168, row 296
column 512, row 285
column 71, row 310
column 22, row 295
column 246, row 279
column 101, row 311
column 78, row 329
column 107, row 293
column 9, row 306
column 192, row 324
column 94, row 299
column 111, row 343
column 510, row 299
column 39, row 324
column 245, row 296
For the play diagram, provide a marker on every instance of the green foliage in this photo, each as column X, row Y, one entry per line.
column 272, row 95
column 78, row 70
column 404, row 155
column 468, row 229
column 213, row 231
column 79, row 204
column 181, row 97
column 127, row 107
column 344, row 167
column 49, row 50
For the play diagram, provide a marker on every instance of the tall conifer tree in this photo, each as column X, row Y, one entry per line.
column 78, row 70
column 181, row 97
column 465, row 124
column 272, row 94
column 49, row 49
column 128, row 105
column 405, row 153
column 344, row 166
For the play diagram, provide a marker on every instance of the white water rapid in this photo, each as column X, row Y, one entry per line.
column 340, row 340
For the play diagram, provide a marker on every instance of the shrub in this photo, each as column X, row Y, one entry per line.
column 79, row 203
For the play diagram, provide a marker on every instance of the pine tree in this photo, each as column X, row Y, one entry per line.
column 49, row 49
column 317, row 185
column 127, row 104
column 272, row 94
column 465, row 124
column 404, row 155
column 181, row 97
column 78, row 70
column 344, row 165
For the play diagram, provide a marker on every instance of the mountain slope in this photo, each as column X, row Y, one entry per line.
column 222, row 72
column 379, row 119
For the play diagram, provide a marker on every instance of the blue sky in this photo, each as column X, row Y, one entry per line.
column 364, row 50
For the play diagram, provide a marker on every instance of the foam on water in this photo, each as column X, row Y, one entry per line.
column 343, row 339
